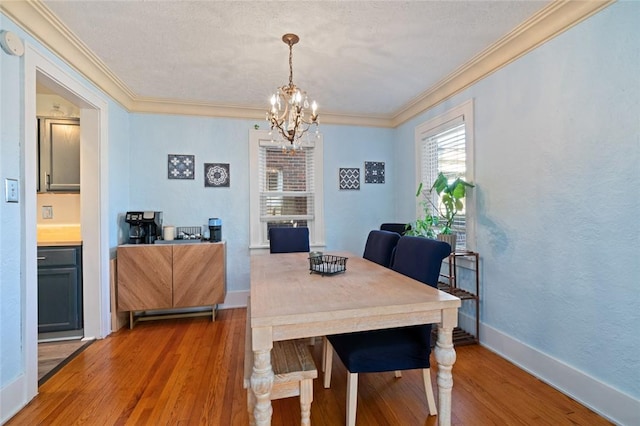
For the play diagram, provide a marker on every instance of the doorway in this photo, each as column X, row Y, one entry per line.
column 93, row 221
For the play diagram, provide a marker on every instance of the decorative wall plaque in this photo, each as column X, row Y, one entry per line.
column 181, row 166
column 216, row 175
column 349, row 178
column 373, row 172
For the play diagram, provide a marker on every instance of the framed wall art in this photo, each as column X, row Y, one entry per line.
column 181, row 166
column 216, row 175
column 349, row 178
column 373, row 172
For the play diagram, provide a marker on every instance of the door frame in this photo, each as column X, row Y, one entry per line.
column 93, row 202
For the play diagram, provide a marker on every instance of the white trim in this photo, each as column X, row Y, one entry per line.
column 235, row 299
column 258, row 138
column 465, row 110
column 12, row 398
column 610, row 403
column 552, row 20
column 94, row 150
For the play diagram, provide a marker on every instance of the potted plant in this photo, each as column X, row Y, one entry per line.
column 426, row 226
column 438, row 222
column 451, row 200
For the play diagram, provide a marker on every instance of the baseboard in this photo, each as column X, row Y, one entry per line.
column 235, row 299
column 12, row 398
column 467, row 323
column 610, row 403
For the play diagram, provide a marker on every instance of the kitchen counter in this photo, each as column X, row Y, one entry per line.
column 59, row 235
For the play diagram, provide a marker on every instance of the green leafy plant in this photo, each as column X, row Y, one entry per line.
column 426, row 226
column 451, row 196
column 439, row 220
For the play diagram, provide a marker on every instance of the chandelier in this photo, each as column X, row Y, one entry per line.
column 289, row 114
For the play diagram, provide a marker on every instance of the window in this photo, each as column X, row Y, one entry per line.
column 286, row 188
column 445, row 144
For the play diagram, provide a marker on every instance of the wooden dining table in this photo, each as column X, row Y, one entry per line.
column 290, row 302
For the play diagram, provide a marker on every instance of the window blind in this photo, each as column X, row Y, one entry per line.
column 286, row 186
column 444, row 150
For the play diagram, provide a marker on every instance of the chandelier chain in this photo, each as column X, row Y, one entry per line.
column 290, row 64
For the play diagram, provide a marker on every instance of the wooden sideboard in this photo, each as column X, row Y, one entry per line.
column 168, row 276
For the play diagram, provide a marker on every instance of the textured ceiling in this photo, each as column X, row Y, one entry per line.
column 354, row 57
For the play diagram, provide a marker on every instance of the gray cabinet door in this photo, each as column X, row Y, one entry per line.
column 59, row 289
column 58, row 299
column 59, row 155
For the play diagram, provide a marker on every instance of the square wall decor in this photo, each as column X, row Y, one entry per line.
column 181, row 166
column 216, row 175
column 349, row 178
column 373, row 172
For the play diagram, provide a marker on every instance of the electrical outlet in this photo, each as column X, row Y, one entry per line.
column 47, row 212
column 11, row 190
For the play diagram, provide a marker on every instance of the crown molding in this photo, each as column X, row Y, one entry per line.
column 557, row 17
column 170, row 106
column 36, row 19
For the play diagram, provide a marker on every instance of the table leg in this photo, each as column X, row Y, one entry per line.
column 261, row 384
column 446, row 357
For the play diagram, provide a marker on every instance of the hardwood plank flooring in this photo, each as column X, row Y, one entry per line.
column 190, row 372
column 53, row 355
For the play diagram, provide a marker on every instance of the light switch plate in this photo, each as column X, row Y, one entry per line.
column 11, row 190
column 47, row 212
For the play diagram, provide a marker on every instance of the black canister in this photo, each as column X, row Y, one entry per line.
column 215, row 229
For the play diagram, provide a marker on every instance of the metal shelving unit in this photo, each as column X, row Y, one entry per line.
column 450, row 285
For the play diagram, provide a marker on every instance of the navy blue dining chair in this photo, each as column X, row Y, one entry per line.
column 288, row 240
column 380, row 247
column 394, row 349
column 400, row 228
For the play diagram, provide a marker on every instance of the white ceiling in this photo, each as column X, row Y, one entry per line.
column 360, row 58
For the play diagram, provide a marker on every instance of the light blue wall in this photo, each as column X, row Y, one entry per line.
column 557, row 139
column 349, row 215
column 119, row 160
column 10, row 224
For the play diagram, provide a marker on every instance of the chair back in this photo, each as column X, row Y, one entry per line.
column 400, row 228
column 420, row 258
column 379, row 247
column 288, row 240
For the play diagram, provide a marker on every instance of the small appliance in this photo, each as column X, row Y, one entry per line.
column 215, row 229
column 144, row 227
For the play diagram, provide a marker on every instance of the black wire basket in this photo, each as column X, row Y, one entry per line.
column 327, row 264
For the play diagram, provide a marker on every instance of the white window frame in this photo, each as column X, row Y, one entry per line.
column 258, row 228
column 463, row 111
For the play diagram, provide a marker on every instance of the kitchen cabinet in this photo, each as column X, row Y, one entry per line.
column 170, row 276
column 59, row 288
column 59, row 155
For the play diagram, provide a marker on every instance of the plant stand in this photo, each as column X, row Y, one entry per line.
column 450, row 285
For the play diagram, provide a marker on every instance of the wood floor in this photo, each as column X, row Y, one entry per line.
column 190, row 371
column 53, row 355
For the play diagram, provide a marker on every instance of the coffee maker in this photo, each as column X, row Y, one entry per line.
column 144, row 227
column 215, row 229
